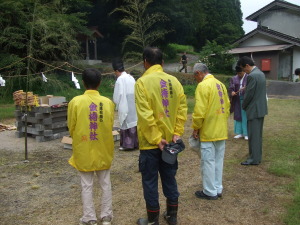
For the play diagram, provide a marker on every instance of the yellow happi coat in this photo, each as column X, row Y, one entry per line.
column 90, row 122
column 211, row 109
column 161, row 107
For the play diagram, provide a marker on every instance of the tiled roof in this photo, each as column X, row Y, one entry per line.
column 277, row 4
column 265, row 48
column 270, row 33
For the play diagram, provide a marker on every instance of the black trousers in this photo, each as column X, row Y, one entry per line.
column 150, row 164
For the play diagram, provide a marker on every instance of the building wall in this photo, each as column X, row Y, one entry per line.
column 273, row 55
column 285, row 64
column 296, row 58
column 284, row 21
column 260, row 40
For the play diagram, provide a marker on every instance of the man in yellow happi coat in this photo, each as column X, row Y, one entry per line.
column 162, row 111
column 90, row 122
column 210, row 125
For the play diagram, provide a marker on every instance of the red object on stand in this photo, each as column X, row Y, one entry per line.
column 265, row 64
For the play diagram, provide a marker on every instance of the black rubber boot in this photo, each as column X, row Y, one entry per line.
column 171, row 214
column 153, row 218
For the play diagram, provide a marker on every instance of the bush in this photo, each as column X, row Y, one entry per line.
column 169, row 52
column 216, row 57
column 182, row 48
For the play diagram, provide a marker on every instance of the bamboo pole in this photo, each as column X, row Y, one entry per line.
column 27, row 81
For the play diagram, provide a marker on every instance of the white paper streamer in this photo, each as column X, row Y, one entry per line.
column 74, row 79
column 77, row 85
column 2, row 82
column 44, row 77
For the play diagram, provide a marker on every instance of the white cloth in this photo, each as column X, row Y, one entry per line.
column 241, row 83
column 124, row 99
column 87, row 180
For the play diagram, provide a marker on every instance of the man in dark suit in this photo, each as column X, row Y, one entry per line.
column 255, row 105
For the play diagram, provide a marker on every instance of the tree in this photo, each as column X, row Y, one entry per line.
column 42, row 29
column 222, row 22
column 185, row 17
column 216, row 57
column 191, row 22
column 142, row 26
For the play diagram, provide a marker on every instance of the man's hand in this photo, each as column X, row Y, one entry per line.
column 162, row 144
column 196, row 134
column 233, row 93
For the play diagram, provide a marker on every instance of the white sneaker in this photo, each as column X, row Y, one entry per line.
column 91, row 222
column 238, row 136
column 246, row 138
column 106, row 220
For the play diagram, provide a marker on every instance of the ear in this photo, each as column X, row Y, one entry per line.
column 146, row 64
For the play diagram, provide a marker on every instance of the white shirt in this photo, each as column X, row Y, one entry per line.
column 124, row 99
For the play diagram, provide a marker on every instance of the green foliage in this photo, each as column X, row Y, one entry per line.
column 169, row 52
column 185, row 78
column 216, row 57
column 189, row 90
column 45, row 30
column 106, row 89
column 221, row 22
column 194, row 22
column 185, row 19
column 182, row 48
column 143, row 26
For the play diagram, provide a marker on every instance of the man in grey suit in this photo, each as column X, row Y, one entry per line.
column 255, row 105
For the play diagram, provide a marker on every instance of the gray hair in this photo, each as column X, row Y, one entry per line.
column 200, row 67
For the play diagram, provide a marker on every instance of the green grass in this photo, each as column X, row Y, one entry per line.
column 281, row 145
column 6, row 112
column 293, row 210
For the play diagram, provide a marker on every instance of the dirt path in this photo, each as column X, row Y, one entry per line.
column 47, row 190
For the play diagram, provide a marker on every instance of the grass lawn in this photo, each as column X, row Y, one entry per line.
column 6, row 112
column 282, row 148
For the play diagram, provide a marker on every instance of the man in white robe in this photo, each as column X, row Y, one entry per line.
column 125, row 104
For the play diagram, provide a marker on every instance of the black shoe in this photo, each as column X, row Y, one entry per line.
column 170, row 219
column 219, row 195
column 246, row 163
column 200, row 194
